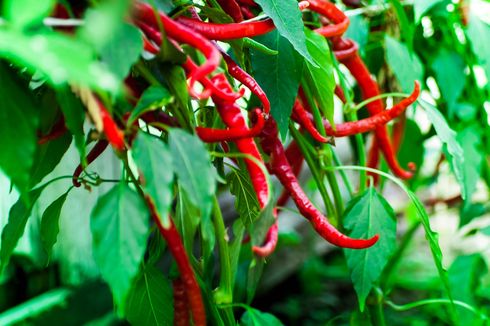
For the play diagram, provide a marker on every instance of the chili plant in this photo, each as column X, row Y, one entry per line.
column 195, row 100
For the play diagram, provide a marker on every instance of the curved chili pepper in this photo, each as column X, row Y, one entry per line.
column 243, row 77
column 191, row 69
column 181, row 307
column 57, row 131
column 247, row 13
column 280, row 167
column 96, row 151
column 114, row 135
column 340, row 94
column 232, row 8
column 223, row 32
column 271, row 238
column 211, row 135
column 334, row 14
column 232, row 117
column 145, row 13
column 176, row 247
column 300, row 116
column 369, row 88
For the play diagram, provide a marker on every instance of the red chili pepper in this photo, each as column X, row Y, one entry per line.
column 243, row 77
column 57, row 131
column 270, row 241
column 96, row 151
column 281, row 168
column 181, row 306
column 192, row 69
column 176, row 247
column 250, row 3
column 145, row 13
column 300, row 116
column 222, row 32
column 369, row 89
column 232, row 8
column 231, row 115
column 211, row 135
column 114, row 135
column 335, row 15
column 340, row 94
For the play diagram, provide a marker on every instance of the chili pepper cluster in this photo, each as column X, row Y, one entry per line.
column 259, row 140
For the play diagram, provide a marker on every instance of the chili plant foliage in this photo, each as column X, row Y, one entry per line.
column 196, row 99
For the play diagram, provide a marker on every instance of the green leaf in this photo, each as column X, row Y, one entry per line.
column 150, row 301
column 119, row 225
column 194, row 170
column 154, row 160
column 465, row 276
column 422, row 6
column 367, row 215
column 479, row 34
column 50, row 223
column 358, row 30
column 60, row 57
column 18, row 215
column 279, row 76
column 122, row 50
column 74, row 114
column 405, row 64
column 22, row 13
column 455, row 153
column 246, row 202
column 103, row 22
column 321, row 80
column 47, row 157
column 254, row 317
column 18, row 124
column 289, row 23
column 451, row 79
column 153, row 97
column 470, row 140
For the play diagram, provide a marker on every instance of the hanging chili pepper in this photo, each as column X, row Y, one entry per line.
column 270, row 241
column 145, row 14
column 181, row 306
column 57, row 131
column 96, row 151
column 232, row 117
column 300, row 116
column 192, row 69
column 369, row 88
column 114, row 135
column 280, row 167
column 211, row 135
column 176, row 247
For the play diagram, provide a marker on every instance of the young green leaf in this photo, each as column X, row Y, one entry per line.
column 122, row 50
column 455, row 153
column 22, row 13
column 50, row 223
column 367, row 215
column 321, row 80
column 254, row 317
column 246, row 202
column 470, row 140
column 154, row 160
column 18, row 215
column 150, row 301
column 153, row 97
column 119, row 225
column 18, row 124
column 279, row 76
column 479, row 33
column 194, row 170
column 288, row 21
column 405, row 64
